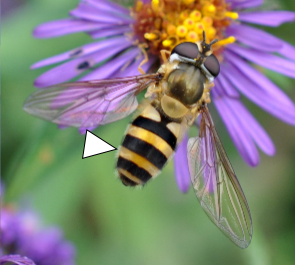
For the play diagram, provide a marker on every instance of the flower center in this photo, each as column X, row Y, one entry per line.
column 163, row 24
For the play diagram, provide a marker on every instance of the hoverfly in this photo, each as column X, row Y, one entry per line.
column 178, row 93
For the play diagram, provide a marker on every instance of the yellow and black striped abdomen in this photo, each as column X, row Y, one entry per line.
column 150, row 141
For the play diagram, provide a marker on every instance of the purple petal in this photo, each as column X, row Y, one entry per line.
column 75, row 67
column 257, row 95
column 267, row 18
column 89, row 12
column 218, row 89
column 16, row 259
column 113, row 66
column 132, row 69
column 241, row 4
column 261, row 40
column 224, row 87
column 66, row 26
column 113, row 31
column 260, row 80
column 181, row 166
column 250, row 124
column 288, row 51
column 108, row 6
column 266, row 60
column 238, row 133
column 78, row 52
column 255, row 38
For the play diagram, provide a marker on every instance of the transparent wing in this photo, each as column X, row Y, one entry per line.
column 87, row 104
column 216, row 184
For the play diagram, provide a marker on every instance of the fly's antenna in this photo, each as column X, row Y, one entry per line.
column 212, row 42
column 204, row 39
column 204, row 36
column 207, row 47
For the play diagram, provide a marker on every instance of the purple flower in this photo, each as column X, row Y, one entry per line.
column 121, row 35
column 23, row 239
column 16, row 259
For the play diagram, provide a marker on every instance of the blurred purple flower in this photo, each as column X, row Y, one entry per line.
column 163, row 24
column 22, row 234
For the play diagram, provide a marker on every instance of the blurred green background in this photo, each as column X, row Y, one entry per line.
column 112, row 224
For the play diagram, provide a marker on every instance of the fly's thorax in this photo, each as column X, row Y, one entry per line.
column 186, row 84
column 173, row 107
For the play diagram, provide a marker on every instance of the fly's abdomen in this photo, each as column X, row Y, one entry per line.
column 150, row 141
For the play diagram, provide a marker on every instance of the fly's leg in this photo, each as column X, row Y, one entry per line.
column 194, row 113
column 207, row 90
column 143, row 46
column 152, row 90
column 163, row 54
column 206, row 94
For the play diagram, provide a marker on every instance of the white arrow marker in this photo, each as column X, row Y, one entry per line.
column 94, row 145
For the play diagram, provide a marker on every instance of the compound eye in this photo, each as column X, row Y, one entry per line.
column 187, row 49
column 212, row 65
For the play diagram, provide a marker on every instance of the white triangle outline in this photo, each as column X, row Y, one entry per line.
column 94, row 145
